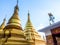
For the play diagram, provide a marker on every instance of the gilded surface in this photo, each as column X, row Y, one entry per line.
column 13, row 34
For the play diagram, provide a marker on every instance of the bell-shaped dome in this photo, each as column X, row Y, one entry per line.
column 14, row 21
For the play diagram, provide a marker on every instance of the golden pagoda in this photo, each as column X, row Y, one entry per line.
column 31, row 34
column 13, row 34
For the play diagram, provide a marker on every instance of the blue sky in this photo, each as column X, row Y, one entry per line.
column 38, row 9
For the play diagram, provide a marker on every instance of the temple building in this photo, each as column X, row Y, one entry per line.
column 13, row 34
column 52, row 33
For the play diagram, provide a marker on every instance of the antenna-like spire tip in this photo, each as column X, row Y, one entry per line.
column 17, row 2
column 28, row 12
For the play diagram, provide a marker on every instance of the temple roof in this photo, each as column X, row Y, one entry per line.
column 47, row 29
column 57, row 24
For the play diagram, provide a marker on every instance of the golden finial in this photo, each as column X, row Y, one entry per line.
column 17, row 2
column 4, row 19
column 28, row 16
column 16, row 7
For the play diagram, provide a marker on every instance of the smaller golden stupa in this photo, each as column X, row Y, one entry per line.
column 31, row 34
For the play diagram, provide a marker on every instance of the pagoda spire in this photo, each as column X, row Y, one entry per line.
column 16, row 8
column 30, row 32
column 28, row 16
column 28, row 28
column 3, row 24
column 15, row 20
column 17, row 3
column 29, row 21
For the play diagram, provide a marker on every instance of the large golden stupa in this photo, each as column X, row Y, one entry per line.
column 13, row 34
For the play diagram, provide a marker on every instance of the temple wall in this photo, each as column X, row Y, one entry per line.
column 56, row 33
